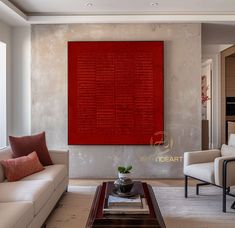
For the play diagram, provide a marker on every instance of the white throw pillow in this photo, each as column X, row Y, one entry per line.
column 231, row 141
column 227, row 150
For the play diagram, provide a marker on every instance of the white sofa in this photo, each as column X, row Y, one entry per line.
column 29, row 201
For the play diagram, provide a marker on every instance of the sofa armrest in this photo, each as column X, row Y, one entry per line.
column 203, row 156
column 60, row 157
column 218, row 170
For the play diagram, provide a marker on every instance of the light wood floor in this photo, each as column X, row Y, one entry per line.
column 153, row 182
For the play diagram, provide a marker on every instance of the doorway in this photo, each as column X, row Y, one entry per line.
column 206, row 104
column 227, row 93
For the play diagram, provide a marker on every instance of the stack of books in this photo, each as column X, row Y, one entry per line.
column 120, row 205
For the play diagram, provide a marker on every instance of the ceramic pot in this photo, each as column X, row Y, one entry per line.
column 124, row 175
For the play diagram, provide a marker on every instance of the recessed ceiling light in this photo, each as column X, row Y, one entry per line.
column 89, row 4
column 154, row 3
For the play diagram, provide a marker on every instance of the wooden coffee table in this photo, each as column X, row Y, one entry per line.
column 97, row 219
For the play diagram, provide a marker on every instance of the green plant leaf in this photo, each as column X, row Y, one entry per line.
column 121, row 169
column 128, row 168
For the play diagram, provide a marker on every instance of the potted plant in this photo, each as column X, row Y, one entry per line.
column 124, row 172
column 124, row 183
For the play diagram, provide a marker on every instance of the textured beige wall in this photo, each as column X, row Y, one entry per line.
column 181, row 95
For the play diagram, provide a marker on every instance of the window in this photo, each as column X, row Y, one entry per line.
column 3, row 97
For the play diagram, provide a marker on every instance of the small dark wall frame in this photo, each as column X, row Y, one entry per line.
column 115, row 92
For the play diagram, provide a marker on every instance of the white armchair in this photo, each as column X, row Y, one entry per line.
column 216, row 167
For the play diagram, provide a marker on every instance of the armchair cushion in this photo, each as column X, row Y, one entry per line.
column 204, row 156
column 218, row 169
column 201, row 171
column 227, row 150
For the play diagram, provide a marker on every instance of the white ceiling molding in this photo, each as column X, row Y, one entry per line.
column 130, row 19
column 11, row 14
column 124, row 7
column 47, row 12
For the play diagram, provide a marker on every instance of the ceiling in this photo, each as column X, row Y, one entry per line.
column 116, row 11
column 58, row 7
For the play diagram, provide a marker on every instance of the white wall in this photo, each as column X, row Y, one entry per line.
column 218, row 34
column 18, row 41
column 3, row 97
column 5, row 36
column 21, row 83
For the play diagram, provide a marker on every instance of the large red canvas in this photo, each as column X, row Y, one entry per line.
column 115, row 92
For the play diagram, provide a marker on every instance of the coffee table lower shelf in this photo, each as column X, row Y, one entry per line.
column 97, row 219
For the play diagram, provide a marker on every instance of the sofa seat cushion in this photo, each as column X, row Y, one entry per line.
column 16, row 214
column 202, row 171
column 55, row 173
column 36, row 191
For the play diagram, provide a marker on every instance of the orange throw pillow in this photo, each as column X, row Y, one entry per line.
column 17, row 168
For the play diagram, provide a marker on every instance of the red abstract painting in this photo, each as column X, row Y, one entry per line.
column 115, row 92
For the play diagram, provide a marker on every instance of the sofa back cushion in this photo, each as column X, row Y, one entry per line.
column 227, row 150
column 5, row 153
column 22, row 146
column 18, row 168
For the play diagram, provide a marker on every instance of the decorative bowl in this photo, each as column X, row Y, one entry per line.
column 123, row 185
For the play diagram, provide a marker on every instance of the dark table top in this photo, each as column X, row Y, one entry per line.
column 97, row 219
